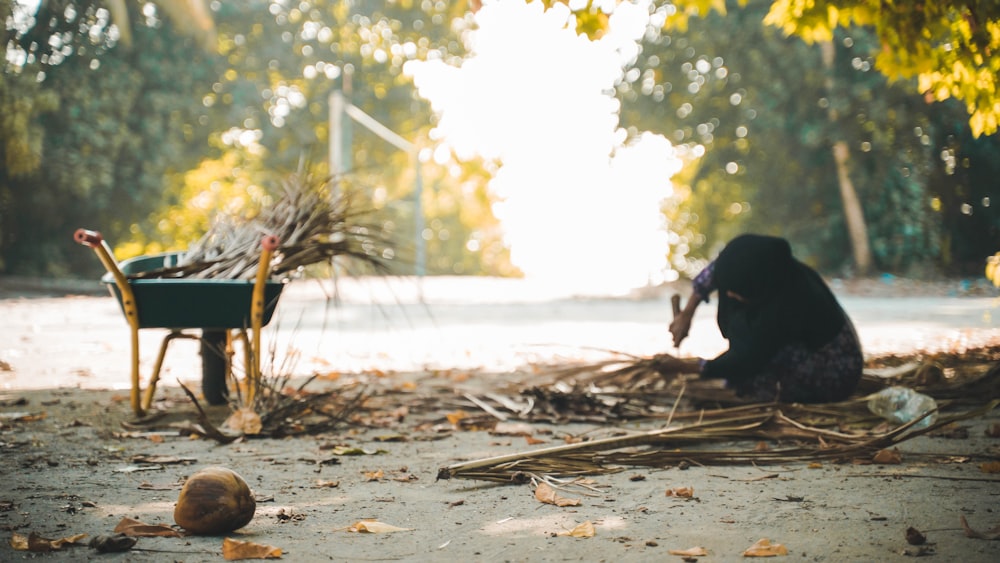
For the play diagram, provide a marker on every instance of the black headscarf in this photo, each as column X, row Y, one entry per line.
column 754, row 266
column 784, row 302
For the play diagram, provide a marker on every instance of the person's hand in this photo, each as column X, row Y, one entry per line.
column 667, row 364
column 680, row 327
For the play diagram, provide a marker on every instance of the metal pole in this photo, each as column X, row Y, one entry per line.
column 420, row 267
column 336, row 145
column 341, row 156
column 347, row 128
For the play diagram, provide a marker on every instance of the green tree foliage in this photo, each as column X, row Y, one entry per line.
column 753, row 109
column 913, row 204
column 148, row 140
column 760, row 109
column 284, row 60
column 964, row 190
column 121, row 121
column 952, row 47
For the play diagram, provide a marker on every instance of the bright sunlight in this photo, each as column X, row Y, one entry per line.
column 579, row 207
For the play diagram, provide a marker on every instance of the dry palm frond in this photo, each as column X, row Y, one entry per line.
column 313, row 222
column 661, row 447
column 617, row 390
column 622, row 370
column 274, row 408
column 301, row 413
column 627, row 387
column 283, row 412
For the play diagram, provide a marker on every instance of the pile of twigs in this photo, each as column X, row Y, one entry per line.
column 627, row 387
column 663, row 447
column 283, row 413
column 624, row 371
column 635, row 389
column 313, row 220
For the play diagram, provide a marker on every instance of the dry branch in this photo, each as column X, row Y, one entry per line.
column 313, row 221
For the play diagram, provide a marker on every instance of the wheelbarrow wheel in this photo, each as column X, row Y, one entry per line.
column 214, row 367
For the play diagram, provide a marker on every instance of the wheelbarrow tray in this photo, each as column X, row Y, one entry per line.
column 182, row 303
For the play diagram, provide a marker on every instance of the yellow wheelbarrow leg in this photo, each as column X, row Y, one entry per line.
column 94, row 240
column 248, row 361
column 268, row 245
column 147, row 399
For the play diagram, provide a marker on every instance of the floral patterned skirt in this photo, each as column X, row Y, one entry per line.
column 799, row 375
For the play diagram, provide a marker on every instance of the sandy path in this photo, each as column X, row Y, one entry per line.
column 73, row 471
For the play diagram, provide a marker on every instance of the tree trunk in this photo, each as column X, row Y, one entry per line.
column 854, row 216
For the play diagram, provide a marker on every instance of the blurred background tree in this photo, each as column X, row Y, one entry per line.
column 767, row 163
column 125, row 137
column 144, row 118
column 105, row 125
column 713, row 78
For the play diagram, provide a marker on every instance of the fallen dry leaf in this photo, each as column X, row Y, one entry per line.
column 457, row 416
column 888, row 457
column 764, row 548
column 990, row 467
column 374, row 475
column 137, row 529
column 233, row 550
column 323, row 484
column 585, row 530
column 545, row 493
column 370, row 526
column 36, row 543
column 532, row 441
column 245, row 421
column 681, row 492
column 993, row 534
column 689, row 552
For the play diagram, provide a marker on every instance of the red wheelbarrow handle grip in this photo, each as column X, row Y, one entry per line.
column 88, row 238
column 269, row 242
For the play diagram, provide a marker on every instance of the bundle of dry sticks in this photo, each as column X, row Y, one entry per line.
column 313, row 221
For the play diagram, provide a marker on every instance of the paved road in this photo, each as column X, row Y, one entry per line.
column 459, row 323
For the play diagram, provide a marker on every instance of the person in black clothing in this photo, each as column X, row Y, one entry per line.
column 789, row 338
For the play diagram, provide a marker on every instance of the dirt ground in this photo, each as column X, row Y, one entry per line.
column 72, row 464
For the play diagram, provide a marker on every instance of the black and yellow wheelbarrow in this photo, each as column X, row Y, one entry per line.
column 222, row 309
